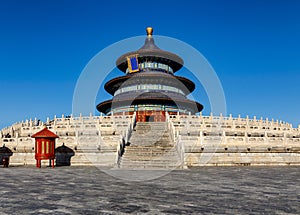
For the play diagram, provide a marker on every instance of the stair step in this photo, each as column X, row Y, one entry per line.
column 150, row 168
column 148, row 158
column 154, row 154
column 156, row 163
column 149, row 152
column 166, row 148
column 150, row 147
column 141, row 165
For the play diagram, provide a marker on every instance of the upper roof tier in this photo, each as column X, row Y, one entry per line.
column 149, row 52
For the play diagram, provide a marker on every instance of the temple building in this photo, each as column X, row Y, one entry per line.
column 151, row 124
column 149, row 86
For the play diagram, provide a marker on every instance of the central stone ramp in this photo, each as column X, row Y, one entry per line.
column 150, row 147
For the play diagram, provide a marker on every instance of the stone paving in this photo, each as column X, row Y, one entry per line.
column 209, row 190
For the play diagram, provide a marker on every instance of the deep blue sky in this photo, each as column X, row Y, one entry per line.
column 254, row 46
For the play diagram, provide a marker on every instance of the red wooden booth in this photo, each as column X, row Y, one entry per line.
column 44, row 146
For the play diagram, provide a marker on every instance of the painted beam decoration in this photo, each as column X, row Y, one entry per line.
column 133, row 64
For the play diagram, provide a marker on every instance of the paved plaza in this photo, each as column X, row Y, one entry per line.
column 209, row 190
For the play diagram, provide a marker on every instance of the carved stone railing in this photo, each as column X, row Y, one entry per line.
column 120, row 151
column 181, row 151
column 176, row 138
column 229, row 123
column 171, row 127
column 124, row 139
column 130, row 127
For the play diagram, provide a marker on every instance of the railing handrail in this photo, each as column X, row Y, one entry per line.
column 180, row 150
column 124, row 139
column 171, row 127
column 176, row 138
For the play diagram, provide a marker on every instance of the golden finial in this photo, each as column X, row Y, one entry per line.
column 149, row 31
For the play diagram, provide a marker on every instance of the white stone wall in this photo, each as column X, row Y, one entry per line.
column 205, row 140
column 93, row 138
column 218, row 140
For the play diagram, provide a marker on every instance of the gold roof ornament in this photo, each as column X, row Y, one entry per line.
column 148, row 52
column 149, row 31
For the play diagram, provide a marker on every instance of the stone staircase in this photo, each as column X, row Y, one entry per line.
column 150, row 147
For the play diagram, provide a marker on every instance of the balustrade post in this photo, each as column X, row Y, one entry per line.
column 201, row 138
column 265, row 137
column 284, row 138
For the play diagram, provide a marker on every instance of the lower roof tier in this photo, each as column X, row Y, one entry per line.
column 187, row 105
column 141, row 94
